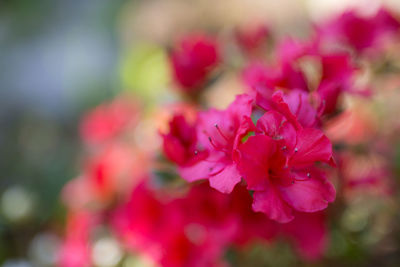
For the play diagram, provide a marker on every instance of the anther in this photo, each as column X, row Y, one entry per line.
column 296, row 149
column 212, row 143
column 284, row 148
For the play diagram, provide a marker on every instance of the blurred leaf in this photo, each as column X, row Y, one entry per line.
column 145, row 71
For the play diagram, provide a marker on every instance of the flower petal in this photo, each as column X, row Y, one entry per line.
column 311, row 194
column 226, row 180
column 254, row 161
column 277, row 127
column 270, row 203
column 312, row 145
column 202, row 169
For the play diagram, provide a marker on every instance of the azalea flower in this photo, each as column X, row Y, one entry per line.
column 309, row 96
column 361, row 32
column 220, row 132
column 278, row 164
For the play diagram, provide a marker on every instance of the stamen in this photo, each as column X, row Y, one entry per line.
column 296, row 149
column 215, row 146
column 284, row 148
column 220, row 132
column 212, row 143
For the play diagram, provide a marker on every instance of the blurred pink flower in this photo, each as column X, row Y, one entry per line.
column 252, row 37
column 193, row 59
column 361, row 32
column 75, row 250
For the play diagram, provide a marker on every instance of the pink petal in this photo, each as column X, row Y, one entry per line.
column 202, row 169
column 246, row 126
column 282, row 107
column 299, row 104
column 254, row 161
column 226, row 180
column 311, row 194
column 174, row 149
column 270, row 203
column 242, row 106
column 277, row 127
column 312, row 145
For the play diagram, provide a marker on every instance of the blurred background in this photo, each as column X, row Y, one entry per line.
column 59, row 59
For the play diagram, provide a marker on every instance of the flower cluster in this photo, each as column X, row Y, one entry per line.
column 262, row 168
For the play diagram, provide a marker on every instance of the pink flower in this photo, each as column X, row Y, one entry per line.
column 308, row 100
column 361, row 32
column 252, row 38
column 192, row 61
column 307, row 231
column 364, row 175
column 114, row 170
column 160, row 226
column 180, row 144
column 220, row 132
column 338, row 75
column 265, row 79
column 278, row 163
column 138, row 222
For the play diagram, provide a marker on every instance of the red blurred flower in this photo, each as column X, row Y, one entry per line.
column 165, row 230
column 111, row 172
column 108, row 120
column 252, row 38
column 153, row 223
column 193, row 59
column 75, row 250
